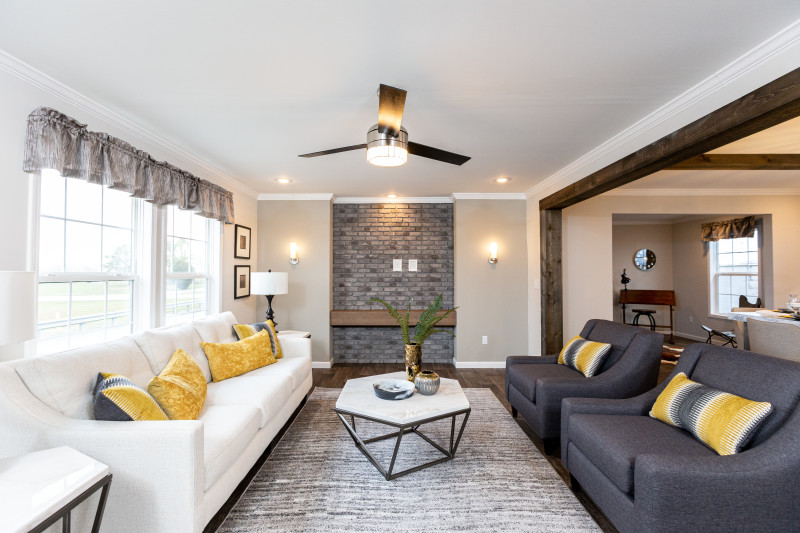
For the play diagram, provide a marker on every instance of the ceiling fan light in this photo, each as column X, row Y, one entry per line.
column 387, row 156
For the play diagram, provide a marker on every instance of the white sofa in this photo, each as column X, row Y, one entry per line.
column 168, row 476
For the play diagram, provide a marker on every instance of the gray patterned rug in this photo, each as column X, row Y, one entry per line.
column 316, row 479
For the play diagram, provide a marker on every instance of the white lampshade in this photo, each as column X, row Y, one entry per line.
column 269, row 283
column 17, row 319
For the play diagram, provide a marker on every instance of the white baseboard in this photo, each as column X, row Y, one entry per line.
column 480, row 364
column 321, row 364
column 688, row 336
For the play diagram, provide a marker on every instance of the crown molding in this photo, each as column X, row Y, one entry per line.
column 488, row 196
column 326, row 196
column 779, row 43
column 398, row 200
column 39, row 79
column 703, row 192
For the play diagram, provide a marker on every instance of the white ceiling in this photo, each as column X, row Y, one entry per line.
column 525, row 88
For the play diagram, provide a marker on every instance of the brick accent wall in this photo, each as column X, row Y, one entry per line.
column 366, row 238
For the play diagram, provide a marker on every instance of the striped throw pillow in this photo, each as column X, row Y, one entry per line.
column 243, row 331
column 118, row 398
column 584, row 356
column 722, row 421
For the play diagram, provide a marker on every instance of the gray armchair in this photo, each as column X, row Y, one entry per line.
column 535, row 386
column 647, row 476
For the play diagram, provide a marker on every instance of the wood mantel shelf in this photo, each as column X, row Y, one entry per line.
column 380, row 318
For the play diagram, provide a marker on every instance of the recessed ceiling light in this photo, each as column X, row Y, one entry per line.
column 502, row 179
column 391, row 196
column 283, row 180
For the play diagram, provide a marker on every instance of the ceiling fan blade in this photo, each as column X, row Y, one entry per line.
column 390, row 109
column 437, row 154
column 334, row 150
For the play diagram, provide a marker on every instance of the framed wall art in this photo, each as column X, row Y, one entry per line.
column 242, row 242
column 241, row 281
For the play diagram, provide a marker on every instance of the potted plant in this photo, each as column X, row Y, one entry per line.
column 425, row 328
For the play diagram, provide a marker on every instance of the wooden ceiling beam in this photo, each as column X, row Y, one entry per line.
column 740, row 162
column 771, row 104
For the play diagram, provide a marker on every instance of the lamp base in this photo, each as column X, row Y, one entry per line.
column 270, row 314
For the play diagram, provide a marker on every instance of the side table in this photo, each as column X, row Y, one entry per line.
column 38, row 489
column 291, row 333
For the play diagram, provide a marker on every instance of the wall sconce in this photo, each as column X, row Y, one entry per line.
column 493, row 253
column 293, row 259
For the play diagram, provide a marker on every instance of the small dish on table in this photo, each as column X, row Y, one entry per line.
column 393, row 389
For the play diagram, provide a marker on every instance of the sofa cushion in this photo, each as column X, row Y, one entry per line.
column 583, row 356
column 267, row 393
column 64, row 380
column 297, row 368
column 523, row 377
column 159, row 344
column 231, row 359
column 720, row 420
column 119, row 399
column 217, row 328
column 613, row 442
column 180, row 389
column 227, row 432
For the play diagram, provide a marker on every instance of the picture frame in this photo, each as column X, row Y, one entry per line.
column 241, row 281
column 241, row 242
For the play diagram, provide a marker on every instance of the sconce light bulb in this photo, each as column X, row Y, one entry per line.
column 493, row 253
column 293, row 253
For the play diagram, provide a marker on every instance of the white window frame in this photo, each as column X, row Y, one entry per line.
column 713, row 273
column 140, row 211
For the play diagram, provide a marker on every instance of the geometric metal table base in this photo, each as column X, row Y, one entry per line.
column 402, row 429
column 63, row 514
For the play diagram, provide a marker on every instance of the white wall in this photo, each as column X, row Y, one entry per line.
column 491, row 299
column 627, row 239
column 17, row 99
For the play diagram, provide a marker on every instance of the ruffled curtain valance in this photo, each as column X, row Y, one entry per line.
column 56, row 141
column 729, row 229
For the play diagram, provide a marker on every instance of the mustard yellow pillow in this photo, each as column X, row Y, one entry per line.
column 243, row 331
column 584, row 356
column 236, row 358
column 180, row 389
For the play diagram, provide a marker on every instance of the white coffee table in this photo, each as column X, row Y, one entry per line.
column 358, row 400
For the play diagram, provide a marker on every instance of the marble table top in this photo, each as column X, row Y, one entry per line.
column 767, row 316
column 358, row 397
column 36, row 485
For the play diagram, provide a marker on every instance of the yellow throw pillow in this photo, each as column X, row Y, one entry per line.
column 584, row 356
column 180, row 389
column 236, row 358
column 722, row 421
column 243, row 331
column 118, row 398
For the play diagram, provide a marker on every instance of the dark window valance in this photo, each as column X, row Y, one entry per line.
column 729, row 229
column 56, row 141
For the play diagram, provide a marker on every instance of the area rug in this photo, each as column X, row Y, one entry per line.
column 316, row 479
column 671, row 354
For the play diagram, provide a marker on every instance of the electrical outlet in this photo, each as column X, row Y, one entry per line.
column 397, row 265
column 412, row 265
column 691, row 319
column 485, row 339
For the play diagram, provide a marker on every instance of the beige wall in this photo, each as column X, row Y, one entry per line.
column 492, row 299
column 246, row 212
column 307, row 305
column 18, row 99
column 626, row 240
column 588, row 229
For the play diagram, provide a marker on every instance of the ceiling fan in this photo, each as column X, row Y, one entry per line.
column 387, row 141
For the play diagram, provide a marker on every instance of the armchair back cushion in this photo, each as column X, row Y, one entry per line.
column 619, row 336
column 758, row 377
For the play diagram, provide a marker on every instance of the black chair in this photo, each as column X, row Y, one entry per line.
column 744, row 302
column 535, row 386
column 728, row 336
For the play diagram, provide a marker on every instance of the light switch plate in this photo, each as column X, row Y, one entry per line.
column 397, row 265
column 412, row 265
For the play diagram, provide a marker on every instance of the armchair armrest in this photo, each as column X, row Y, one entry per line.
column 531, row 360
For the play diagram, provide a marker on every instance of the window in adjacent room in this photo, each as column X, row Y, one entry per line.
column 190, row 287
column 734, row 270
column 87, row 263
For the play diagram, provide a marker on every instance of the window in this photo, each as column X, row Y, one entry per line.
column 86, row 262
column 735, row 270
column 190, row 244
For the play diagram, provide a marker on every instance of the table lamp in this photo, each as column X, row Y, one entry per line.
column 269, row 283
column 17, row 318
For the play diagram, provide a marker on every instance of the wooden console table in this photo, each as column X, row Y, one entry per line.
column 649, row 297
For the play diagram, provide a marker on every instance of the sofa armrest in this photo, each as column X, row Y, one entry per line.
column 296, row 347
column 158, row 467
column 531, row 360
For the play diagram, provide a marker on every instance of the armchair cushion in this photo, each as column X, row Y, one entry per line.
column 583, row 355
column 524, row 377
column 613, row 442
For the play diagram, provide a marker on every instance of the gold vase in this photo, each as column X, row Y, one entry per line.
column 413, row 360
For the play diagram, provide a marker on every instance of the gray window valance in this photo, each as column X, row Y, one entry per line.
column 56, row 141
column 729, row 229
